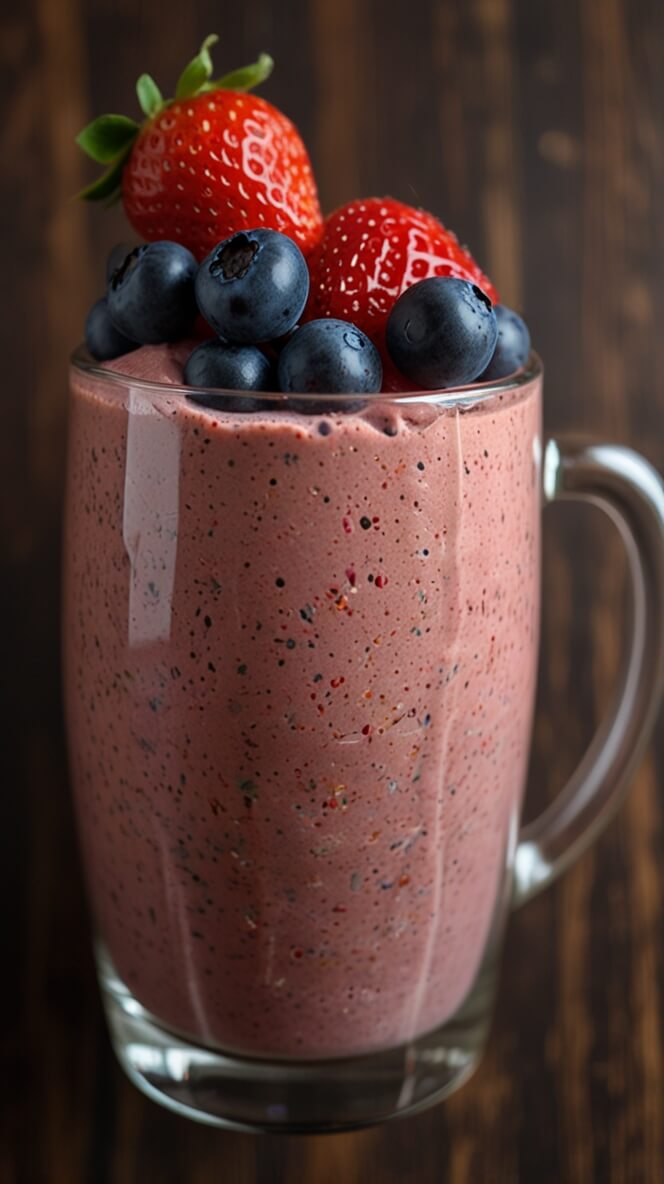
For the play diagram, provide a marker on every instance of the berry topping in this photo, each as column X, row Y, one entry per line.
column 116, row 258
column 442, row 332
column 151, row 295
column 371, row 251
column 230, row 367
column 329, row 357
column 254, row 286
column 379, row 297
column 275, row 347
column 512, row 347
column 208, row 163
column 102, row 339
column 225, row 402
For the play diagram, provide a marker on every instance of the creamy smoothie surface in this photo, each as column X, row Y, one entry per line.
column 300, row 667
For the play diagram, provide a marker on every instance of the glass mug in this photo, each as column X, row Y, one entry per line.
column 300, row 665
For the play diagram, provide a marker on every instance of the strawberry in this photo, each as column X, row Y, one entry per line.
column 212, row 161
column 371, row 250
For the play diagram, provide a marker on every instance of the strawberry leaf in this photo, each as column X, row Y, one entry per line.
column 196, row 74
column 247, row 77
column 107, row 187
column 106, row 137
column 149, row 96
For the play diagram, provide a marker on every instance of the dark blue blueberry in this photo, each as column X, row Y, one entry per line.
column 280, row 343
column 230, row 368
column 102, row 338
column 309, row 406
column 329, row 357
column 151, row 295
column 226, row 402
column 512, row 347
column 273, row 348
column 442, row 332
column 253, row 286
column 116, row 258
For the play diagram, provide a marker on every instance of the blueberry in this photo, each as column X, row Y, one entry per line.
column 226, row 402
column 280, row 343
column 308, row 406
column 151, row 295
column 116, row 258
column 442, row 332
column 512, row 347
column 253, row 286
column 230, row 367
column 329, row 357
column 102, row 338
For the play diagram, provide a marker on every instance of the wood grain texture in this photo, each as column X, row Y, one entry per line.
column 537, row 131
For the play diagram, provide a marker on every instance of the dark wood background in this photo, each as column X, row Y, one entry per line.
column 536, row 129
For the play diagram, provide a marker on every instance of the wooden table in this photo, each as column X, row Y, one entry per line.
column 536, row 129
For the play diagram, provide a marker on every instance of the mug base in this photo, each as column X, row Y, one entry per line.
column 309, row 1097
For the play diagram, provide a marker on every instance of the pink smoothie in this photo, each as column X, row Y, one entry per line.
column 300, row 667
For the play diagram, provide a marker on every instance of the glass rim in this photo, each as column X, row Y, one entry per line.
column 472, row 393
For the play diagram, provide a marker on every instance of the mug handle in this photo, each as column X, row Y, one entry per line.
column 631, row 492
